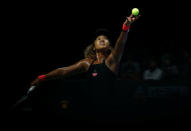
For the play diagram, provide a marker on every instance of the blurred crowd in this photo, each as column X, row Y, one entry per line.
column 166, row 66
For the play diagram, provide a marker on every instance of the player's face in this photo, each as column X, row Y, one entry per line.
column 101, row 43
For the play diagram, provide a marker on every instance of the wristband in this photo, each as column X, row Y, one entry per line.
column 125, row 27
column 42, row 77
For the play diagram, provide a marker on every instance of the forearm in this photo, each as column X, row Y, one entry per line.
column 120, row 44
column 62, row 72
column 121, row 41
column 44, row 77
column 55, row 73
column 67, row 71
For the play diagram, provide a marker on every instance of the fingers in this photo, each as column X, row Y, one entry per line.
column 35, row 82
column 131, row 15
column 137, row 17
column 131, row 19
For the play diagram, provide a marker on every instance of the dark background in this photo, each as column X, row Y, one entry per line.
column 39, row 37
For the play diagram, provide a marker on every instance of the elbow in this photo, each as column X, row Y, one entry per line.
column 60, row 71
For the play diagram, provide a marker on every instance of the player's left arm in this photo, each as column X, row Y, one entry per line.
column 114, row 58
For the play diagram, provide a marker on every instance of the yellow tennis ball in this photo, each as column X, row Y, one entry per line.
column 135, row 11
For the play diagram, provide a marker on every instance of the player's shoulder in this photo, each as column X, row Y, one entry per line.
column 85, row 62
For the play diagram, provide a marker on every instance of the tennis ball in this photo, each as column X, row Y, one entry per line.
column 135, row 11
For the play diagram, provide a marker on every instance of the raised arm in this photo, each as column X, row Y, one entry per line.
column 121, row 41
column 114, row 58
column 79, row 67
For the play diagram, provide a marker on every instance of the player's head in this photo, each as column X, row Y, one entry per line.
column 101, row 43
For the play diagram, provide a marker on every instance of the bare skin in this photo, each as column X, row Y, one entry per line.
column 101, row 45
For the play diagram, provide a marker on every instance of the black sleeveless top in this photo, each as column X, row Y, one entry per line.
column 100, row 72
column 101, row 86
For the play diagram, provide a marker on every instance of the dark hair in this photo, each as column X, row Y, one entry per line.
column 102, row 31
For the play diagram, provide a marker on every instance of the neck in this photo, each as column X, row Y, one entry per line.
column 100, row 56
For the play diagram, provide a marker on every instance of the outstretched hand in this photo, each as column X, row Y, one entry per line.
column 35, row 82
column 131, row 19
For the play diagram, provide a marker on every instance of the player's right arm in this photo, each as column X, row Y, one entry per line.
column 77, row 68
